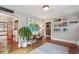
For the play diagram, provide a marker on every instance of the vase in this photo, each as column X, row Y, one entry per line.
column 24, row 43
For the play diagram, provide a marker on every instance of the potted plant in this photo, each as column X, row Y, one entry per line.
column 25, row 35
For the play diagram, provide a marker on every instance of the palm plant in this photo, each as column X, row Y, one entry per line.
column 25, row 33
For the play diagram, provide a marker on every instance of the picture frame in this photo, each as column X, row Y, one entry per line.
column 57, row 29
column 65, row 29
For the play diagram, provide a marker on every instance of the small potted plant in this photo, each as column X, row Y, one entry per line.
column 25, row 35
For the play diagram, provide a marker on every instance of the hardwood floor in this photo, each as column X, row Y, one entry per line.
column 26, row 50
column 12, row 46
column 72, row 47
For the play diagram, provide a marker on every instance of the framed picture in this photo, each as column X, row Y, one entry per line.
column 63, row 24
column 57, row 29
column 57, row 20
column 65, row 29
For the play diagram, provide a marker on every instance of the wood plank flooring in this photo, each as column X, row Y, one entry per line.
column 72, row 47
column 26, row 50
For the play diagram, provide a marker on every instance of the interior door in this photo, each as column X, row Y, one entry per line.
column 11, row 43
column 48, row 29
column 9, row 32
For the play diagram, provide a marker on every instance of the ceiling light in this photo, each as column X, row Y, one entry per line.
column 45, row 7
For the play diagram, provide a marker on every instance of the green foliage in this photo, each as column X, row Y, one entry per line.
column 25, row 33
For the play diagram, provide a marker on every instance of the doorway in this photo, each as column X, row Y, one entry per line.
column 48, row 30
column 6, row 31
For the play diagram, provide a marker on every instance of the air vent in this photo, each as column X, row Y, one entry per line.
column 7, row 10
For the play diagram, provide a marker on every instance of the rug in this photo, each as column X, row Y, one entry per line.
column 49, row 48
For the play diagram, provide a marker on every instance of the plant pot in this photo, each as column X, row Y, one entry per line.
column 24, row 43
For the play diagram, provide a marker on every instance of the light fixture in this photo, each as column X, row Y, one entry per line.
column 45, row 7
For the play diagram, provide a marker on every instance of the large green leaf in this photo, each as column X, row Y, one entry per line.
column 25, row 32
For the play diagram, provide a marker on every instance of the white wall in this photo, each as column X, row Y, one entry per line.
column 21, row 18
column 73, row 30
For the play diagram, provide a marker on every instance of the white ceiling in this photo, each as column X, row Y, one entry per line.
column 36, row 10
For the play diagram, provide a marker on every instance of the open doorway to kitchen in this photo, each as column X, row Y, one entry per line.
column 48, row 30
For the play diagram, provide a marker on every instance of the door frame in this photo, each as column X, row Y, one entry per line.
column 45, row 27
